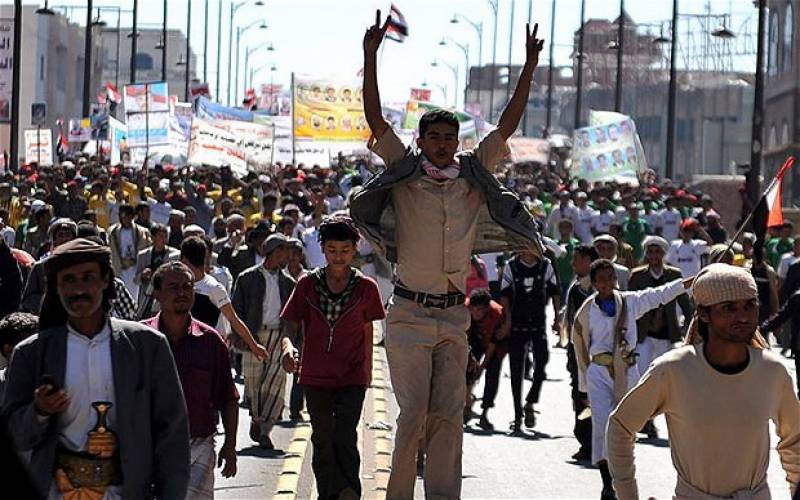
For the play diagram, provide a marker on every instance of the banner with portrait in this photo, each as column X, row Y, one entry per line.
column 529, row 149
column 146, row 97
column 606, row 153
column 328, row 111
column 6, row 67
column 80, row 130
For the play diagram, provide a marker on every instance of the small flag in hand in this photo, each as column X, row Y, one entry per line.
column 768, row 213
column 398, row 28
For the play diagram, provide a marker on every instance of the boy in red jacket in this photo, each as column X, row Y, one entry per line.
column 335, row 305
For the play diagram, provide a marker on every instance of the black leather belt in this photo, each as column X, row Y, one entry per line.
column 437, row 300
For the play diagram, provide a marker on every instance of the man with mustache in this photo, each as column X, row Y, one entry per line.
column 205, row 372
column 97, row 401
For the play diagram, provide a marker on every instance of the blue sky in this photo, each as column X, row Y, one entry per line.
column 323, row 37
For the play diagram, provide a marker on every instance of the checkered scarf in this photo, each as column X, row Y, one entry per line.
column 333, row 305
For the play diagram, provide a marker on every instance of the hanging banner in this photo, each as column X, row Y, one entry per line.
column 180, row 126
column 529, row 149
column 255, row 139
column 151, row 129
column 328, row 111
column 606, row 152
column 118, row 137
column 80, row 130
column 215, row 146
column 210, row 110
column 6, row 67
column 274, row 100
column 597, row 118
column 39, row 146
column 136, row 97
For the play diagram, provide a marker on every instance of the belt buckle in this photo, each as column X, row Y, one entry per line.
column 435, row 301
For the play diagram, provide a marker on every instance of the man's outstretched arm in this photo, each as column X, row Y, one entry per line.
column 372, row 99
column 511, row 116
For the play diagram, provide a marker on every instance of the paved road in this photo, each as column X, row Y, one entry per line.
column 536, row 465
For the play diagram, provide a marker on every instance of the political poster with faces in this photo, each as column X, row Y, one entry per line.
column 330, row 111
column 606, row 152
column 80, row 130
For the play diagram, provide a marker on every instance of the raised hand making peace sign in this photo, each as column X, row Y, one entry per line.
column 374, row 35
column 533, row 45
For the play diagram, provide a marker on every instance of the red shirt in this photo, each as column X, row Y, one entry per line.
column 204, row 368
column 489, row 325
column 341, row 355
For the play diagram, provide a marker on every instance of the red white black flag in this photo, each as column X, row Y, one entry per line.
column 398, row 28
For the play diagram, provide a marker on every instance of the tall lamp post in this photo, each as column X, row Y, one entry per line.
column 15, row 64
column 549, row 115
column 205, row 47
column 235, row 6
column 478, row 29
column 510, row 47
column 163, row 44
column 493, row 4
column 756, row 142
column 465, row 51
column 134, row 36
column 454, row 69
column 248, row 52
column 669, row 166
column 620, row 54
column 579, row 81
column 187, row 91
column 239, row 32
column 219, row 50
column 87, row 60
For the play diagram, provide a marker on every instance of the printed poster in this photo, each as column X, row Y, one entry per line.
column 215, row 146
column 136, row 97
column 144, row 130
column 39, row 146
column 6, row 67
column 118, row 137
column 423, row 95
column 275, row 100
column 80, row 130
column 606, row 152
column 210, row 110
column 328, row 111
column 529, row 149
column 254, row 139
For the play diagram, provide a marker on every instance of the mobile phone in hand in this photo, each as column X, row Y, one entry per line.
column 51, row 381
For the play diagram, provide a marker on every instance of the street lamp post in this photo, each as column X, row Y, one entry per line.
column 219, row 50
column 187, row 92
column 134, row 36
column 454, row 69
column 248, row 52
column 239, row 33
column 756, row 142
column 620, row 53
column 465, row 51
column 579, row 81
column 234, row 8
column 669, row 167
column 164, row 44
column 549, row 115
column 205, row 48
column 87, row 61
column 494, row 6
column 15, row 64
column 479, row 29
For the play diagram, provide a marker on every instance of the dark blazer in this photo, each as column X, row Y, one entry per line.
column 504, row 224
column 34, row 290
column 248, row 296
column 238, row 262
column 641, row 279
column 152, row 425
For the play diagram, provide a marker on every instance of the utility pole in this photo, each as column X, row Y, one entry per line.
column 13, row 163
column 669, row 167
column 134, row 36
column 756, row 143
column 551, row 41
column 620, row 53
column 579, row 82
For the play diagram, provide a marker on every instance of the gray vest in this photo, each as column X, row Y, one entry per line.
column 504, row 224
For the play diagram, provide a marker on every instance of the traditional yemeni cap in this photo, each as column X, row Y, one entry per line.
column 192, row 230
column 723, row 283
column 717, row 252
column 605, row 237
column 180, row 213
column 62, row 223
column 77, row 251
column 275, row 241
column 656, row 241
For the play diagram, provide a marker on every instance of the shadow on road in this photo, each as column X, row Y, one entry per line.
column 257, row 451
column 658, row 442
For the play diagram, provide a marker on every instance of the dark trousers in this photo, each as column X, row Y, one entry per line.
column 797, row 368
column 583, row 428
column 295, row 396
column 516, row 356
column 335, row 414
column 491, row 381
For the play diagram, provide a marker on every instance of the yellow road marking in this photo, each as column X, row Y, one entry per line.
column 289, row 477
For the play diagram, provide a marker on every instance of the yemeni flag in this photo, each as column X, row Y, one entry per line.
column 768, row 212
column 112, row 93
column 398, row 28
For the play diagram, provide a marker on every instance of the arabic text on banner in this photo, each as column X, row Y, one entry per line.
column 210, row 110
column 606, row 152
column 254, row 139
column 80, row 130
column 210, row 145
column 329, row 111
column 6, row 67
column 39, row 146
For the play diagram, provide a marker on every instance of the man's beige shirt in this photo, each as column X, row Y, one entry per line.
column 436, row 220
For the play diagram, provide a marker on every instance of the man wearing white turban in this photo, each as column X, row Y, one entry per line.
column 718, row 394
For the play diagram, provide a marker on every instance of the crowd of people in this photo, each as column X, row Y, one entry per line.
column 280, row 276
